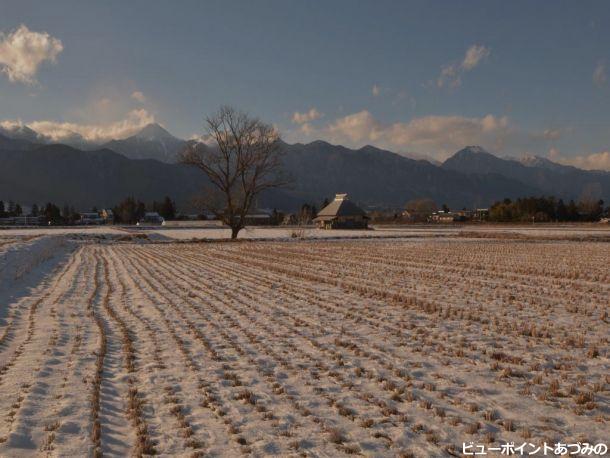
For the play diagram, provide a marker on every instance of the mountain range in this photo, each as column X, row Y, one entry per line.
column 33, row 170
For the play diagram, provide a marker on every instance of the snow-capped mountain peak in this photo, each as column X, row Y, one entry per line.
column 153, row 132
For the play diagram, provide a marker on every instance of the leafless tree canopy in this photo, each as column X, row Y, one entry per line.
column 243, row 160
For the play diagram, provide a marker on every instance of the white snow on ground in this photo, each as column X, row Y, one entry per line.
column 50, row 230
column 213, row 232
column 25, row 260
column 391, row 347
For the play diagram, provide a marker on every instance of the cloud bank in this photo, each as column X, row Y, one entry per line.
column 23, row 51
column 594, row 161
column 54, row 131
column 436, row 135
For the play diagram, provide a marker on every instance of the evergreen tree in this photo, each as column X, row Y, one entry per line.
column 52, row 213
column 572, row 211
column 561, row 214
column 167, row 209
column 140, row 211
column 129, row 211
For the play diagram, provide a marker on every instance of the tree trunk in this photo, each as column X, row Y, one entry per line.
column 234, row 231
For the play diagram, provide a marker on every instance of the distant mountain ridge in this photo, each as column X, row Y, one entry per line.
column 151, row 142
column 142, row 166
column 548, row 177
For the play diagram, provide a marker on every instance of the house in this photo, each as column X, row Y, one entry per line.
column 151, row 218
column 23, row 221
column 341, row 213
column 89, row 218
column 290, row 219
column 481, row 214
column 443, row 217
column 259, row 217
column 107, row 215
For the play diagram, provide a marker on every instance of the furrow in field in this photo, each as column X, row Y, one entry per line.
column 117, row 435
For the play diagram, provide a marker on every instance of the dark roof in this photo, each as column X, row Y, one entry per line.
column 341, row 206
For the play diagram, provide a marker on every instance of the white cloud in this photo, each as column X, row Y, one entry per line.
column 376, row 90
column 451, row 74
column 594, row 161
column 95, row 133
column 599, row 74
column 308, row 116
column 138, row 96
column 551, row 134
column 474, row 55
column 439, row 136
column 23, row 51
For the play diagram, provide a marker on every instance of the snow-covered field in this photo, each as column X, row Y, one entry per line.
column 212, row 230
column 384, row 347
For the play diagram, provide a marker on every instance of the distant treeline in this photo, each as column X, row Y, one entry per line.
column 546, row 209
column 128, row 211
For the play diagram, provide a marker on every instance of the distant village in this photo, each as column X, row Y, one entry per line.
column 338, row 213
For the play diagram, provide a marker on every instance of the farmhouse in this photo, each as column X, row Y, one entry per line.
column 341, row 214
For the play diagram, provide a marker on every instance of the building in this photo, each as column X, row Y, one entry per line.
column 107, row 215
column 23, row 221
column 90, row 218
column 481, row 214
column 442, row 217
column 341, row 213
column 151, row 218
column 259, row 217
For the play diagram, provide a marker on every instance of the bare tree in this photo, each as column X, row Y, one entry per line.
column 243, row 160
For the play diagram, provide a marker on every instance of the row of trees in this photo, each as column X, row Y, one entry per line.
column 546, row 209
column 12, row 209
column 50, row 212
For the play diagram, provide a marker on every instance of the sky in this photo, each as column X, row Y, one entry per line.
column 425, row 77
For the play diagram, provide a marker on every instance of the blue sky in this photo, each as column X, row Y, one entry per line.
column 411, row 76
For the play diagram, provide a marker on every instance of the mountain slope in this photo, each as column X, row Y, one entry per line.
column 550, row 178
column 7, row 143
column 377, row 177
column 62, row 174
column 373, row 177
